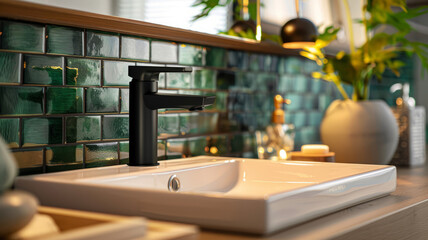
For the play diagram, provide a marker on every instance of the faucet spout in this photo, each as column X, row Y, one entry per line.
column 191, row 102
column 144, row 102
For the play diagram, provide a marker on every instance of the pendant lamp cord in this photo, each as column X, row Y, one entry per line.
column 297, row 3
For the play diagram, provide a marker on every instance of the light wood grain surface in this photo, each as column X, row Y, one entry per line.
column 401, row 215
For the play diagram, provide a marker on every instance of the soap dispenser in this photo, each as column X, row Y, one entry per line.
column 278, row 141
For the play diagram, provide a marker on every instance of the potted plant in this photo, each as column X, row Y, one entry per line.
column 358, row 129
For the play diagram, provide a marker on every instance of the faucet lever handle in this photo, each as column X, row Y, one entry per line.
column 148, row 73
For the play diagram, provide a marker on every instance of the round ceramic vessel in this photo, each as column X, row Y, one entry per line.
column 360, row 132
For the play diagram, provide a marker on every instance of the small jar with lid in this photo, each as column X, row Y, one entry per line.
column 314, row 153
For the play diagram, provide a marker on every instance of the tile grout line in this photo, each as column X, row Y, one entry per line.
column 44, row 161
column 20, row 133
column 84, row 156
column 45, row 42
column 63, row 130
column 84, row 43
column 120, row 46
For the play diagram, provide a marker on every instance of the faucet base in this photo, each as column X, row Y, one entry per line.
column 143, row 165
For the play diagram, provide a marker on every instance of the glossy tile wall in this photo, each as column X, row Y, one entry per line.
column 64, row 96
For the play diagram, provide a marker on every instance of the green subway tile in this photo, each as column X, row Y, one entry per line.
column 318, row 86
column 263, row 102
column 310, row 135
column 296, row 101
column 116, row 73
column 237, row 59
column 41, row 131
column 310, row 102
column 64, row 100
column 310, row 66
column 80, row 129
column 30, row 161
column 43, row 70
column 249, row 142
column 266, row 82
column 299, row 119
column 102, row 100
column 220, row 101
column 102, row 154
column 237, row 143
column 225, row 80
column 186, row 147
column 255, row 62
column 22, row 36
column 64, row 158
column 124, row 100
column 271, row 63
column 293, row 65
column 9, row 131
column 198, row 123
column 204, row 79
column 115, row 127
column 100, row 44
column 64, row 40
column 244, row 143
column 246, row 81
column 164, row 52
column 161, row 150
column 301, row 83
column 216, row 57
column 124, row 151
column 21, row 100
column 286, row 83
column 10, row 67
column 178, row 80
column 191, row 55
column 168, row 125
column 135, row 48
column 83, row 72
column 289, row 117
column 315, row 118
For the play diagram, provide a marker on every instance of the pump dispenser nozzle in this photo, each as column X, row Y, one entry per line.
column 278, row 115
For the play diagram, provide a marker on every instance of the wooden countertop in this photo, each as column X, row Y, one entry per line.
column 401, row 215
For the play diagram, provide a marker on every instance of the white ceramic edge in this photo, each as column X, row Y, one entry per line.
column 254, row 216
column 280, row 215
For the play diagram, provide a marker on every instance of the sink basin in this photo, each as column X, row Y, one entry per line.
column 243, row 195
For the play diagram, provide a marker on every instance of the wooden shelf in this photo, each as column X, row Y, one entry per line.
column 32, row 12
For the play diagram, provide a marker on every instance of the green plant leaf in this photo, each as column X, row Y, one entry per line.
column 344, row 69
column 208, row 6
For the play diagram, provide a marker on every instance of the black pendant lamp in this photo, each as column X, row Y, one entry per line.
column 298, row 32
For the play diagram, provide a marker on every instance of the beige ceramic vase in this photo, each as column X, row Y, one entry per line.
column 360, row 132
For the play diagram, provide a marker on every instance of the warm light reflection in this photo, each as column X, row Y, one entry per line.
column 261, row 150
column 213, row 150
column 265, row 138
column 259, row 33
column 297, row 45
column 282, row 154
column 15, row 201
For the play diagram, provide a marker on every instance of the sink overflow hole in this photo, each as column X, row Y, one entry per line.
column 174, row 184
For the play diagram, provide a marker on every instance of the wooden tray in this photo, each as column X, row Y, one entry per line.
column 73, row 224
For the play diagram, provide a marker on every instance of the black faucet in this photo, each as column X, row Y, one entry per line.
column 144, row 102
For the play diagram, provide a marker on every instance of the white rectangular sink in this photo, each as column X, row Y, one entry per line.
column 244, row 195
